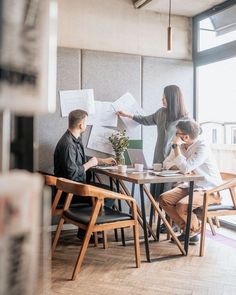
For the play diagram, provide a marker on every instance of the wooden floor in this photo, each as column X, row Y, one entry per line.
column 112, row 271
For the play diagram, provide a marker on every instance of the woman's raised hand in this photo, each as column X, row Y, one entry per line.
column 124, row 114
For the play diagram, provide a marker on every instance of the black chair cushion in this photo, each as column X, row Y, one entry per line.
column 215, row 208
column 107, row 215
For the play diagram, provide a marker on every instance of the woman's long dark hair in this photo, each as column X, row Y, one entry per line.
column 175, row 103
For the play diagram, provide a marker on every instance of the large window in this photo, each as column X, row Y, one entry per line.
column 214, row 56
column 217, row 91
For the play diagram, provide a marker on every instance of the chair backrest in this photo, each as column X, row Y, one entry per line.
column 81, row 189
column 232, row 190
column 230, row 185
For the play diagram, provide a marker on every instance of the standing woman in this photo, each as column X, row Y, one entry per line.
column 165, row 119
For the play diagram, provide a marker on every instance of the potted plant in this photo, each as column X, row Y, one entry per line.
column 120, row 143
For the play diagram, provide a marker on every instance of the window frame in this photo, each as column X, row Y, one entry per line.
column 211, row 55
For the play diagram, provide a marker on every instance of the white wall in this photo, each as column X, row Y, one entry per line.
column 114, row 25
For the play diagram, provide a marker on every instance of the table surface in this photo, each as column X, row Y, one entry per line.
column 145, row 176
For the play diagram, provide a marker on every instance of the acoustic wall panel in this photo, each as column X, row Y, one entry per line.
column 52, row 126
column 158, row 73
column 111, row 75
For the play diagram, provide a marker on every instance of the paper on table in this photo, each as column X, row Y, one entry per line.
column 166, row 173
column 107, row 167
column 77, row 99
column 104, row 115
column 128, row 104
column 98, row 140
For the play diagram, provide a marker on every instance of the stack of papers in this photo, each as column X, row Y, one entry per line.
column 166, row 173
column 104, row 167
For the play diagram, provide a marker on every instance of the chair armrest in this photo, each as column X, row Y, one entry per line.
column 227, row 185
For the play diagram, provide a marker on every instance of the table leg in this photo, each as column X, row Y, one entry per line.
column 162, row 216
column 158, row 229
column 111, row 183
column 144, row 223
column 93, row 176
column 111, row 188
column 159, row 188
column 132, row 194
column 189, row 217
column 126, row 192
column 133, row 189
column 120, row 209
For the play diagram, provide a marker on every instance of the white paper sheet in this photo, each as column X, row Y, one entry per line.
column 104, row 115
column 128, row 104
column 98, row 140
column 77, row 99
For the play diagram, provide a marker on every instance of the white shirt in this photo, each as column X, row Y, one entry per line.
column 199, row 159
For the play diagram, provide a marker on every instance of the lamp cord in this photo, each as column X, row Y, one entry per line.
column 169, row 11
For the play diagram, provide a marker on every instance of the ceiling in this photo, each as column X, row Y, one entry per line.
column 181, row 7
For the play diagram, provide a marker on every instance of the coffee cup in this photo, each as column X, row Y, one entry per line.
column 157, row 166
column 122, row 168
column 138, row 167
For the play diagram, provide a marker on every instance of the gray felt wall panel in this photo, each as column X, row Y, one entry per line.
column 51, row 127
column 111, row 75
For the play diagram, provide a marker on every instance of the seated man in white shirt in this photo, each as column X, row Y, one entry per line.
column 189, row 154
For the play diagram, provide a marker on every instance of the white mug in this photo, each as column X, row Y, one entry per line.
column 122, row 168
column 157, row 166
column 138, row 167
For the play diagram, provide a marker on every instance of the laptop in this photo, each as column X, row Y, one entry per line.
column 137, row 156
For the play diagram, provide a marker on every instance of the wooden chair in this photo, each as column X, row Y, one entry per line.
column 215, row 220
column 89, row 218
column 210, row 211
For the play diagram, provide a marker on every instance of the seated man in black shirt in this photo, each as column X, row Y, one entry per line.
column 69, row 158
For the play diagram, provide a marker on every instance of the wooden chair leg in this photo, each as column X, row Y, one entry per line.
column 217, row 221
column 203, row 227
column 209, row 220
column 136, row 245
column 57, row 235
column 82, row 253
column 86, row 239
column 105, row 243
column 95, row 239
column 171, row 223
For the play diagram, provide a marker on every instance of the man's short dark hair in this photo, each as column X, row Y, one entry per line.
column 75, row 117
column 189, row 127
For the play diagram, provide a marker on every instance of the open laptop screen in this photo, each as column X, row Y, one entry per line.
column 137, row 157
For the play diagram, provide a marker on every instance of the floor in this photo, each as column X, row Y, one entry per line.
column 112, row 271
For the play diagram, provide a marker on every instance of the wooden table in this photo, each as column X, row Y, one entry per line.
column 143, row 178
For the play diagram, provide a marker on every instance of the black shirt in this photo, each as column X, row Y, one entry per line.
column 69, row 158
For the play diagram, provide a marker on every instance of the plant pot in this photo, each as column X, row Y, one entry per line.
column 120, row 158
